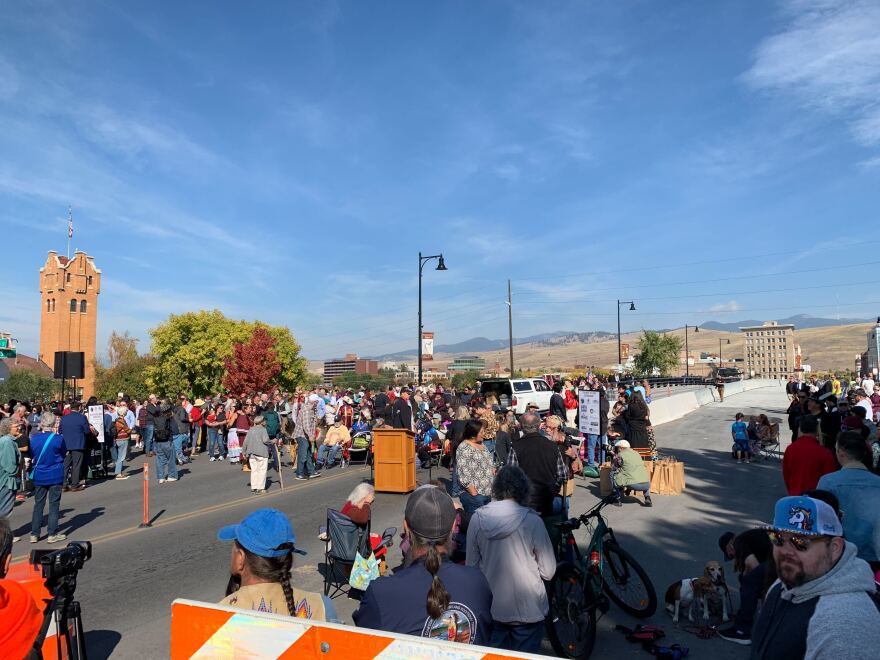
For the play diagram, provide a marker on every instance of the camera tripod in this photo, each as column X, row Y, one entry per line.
column 67, row 615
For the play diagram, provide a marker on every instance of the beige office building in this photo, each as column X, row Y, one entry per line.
column 770, row 350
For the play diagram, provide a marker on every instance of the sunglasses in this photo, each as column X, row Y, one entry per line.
column 800, row 543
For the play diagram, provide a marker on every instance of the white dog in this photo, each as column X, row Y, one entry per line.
column 698, row 590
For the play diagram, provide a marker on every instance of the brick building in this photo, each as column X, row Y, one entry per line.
column 69, row 291
column 350, row 363
column 770, row 350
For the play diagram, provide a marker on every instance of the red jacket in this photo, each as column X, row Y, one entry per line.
column 804, row 463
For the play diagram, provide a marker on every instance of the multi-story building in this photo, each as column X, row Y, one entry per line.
column 350, row 363
column 467, row 363
column 872, row 363
column 69, row 289
column 770, row 350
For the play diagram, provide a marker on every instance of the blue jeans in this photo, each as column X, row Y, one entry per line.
column 147, row 438
column 560, row 505
column 645, row 487
column 524, row 637
column 593, row 441
column 304, row 463
column 119, row 451
column 179, row 441
column 471, row 503
column 165, row 460
column 40, row 494
column 490, row 446
column 215, row 439
column 323, row 450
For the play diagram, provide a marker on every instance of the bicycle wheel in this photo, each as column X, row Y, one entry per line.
column 627, row 583
column 571, row 621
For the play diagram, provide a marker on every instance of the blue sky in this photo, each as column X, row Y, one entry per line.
column 287, row 161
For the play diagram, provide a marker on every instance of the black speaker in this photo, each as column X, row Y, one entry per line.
column 70, row 364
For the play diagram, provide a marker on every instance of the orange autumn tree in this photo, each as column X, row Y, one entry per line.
column 254, row 364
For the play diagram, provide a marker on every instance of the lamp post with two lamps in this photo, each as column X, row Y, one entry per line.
column 687, row 353
column 632, row 308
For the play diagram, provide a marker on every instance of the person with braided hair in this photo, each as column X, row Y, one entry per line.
column 262, row 556
column 431, row 596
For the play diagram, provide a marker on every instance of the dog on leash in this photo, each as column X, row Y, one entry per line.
column 686, row 593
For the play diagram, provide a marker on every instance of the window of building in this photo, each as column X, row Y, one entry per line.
column 48, row 305
column 89, row 280
column 73, row 304
column 82, row 306
column 53, row 304
column 67, row 279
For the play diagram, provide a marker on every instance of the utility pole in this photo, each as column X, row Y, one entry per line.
column 510, row 325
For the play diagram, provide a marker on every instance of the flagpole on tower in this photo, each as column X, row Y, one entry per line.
column 69, row 229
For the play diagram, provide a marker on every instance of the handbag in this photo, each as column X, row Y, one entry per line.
column 42, row 451
column 363, row 571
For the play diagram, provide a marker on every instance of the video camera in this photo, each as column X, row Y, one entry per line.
column 57, row 564
column 572, row 436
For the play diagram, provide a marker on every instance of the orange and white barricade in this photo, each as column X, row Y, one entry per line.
column 218, row 632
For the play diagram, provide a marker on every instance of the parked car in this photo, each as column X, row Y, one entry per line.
column 517, row 393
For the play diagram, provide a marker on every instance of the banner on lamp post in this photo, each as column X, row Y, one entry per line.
column 427, row 346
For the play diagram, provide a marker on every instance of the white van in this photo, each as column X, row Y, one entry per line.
column 517, row 393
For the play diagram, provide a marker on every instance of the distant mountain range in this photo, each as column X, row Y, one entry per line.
column 485, row 345
column 799, row 321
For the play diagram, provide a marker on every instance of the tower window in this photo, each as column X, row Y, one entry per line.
column 82, row 306
column 68, row 277
column 73, row 305
column 89, row 283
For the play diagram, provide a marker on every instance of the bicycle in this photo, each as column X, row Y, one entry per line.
column 585, row 581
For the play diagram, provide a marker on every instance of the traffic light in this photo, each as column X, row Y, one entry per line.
column 7, row 348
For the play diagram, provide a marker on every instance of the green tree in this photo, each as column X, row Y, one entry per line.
column 127, row 377
column 351, row 380
column 464, row 379
column 191, row 350
column 27, row 385
column 657, row 351
column 121, row 348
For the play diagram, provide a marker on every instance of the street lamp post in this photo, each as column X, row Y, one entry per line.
column 441, row 265
column 687, row 353
column 632, row 308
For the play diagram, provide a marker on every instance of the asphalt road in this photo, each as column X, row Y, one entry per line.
column 127, row 588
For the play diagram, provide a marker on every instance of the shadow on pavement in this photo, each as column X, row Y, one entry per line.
column 79, row 520
column 101, row 643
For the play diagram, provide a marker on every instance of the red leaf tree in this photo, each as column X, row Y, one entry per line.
column 253, row 365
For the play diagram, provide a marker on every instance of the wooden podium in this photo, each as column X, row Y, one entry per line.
column 394, row 458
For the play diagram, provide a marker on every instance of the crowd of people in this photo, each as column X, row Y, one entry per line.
column 511, row 482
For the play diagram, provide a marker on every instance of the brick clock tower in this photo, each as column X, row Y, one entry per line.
column 69, row 290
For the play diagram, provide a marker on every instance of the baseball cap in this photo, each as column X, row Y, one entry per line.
column 532, row 405
column 805, row 516
column 430, row 513
column 265, row 532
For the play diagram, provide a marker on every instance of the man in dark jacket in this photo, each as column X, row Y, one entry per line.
column 540, row 459
column 74, row 427
column 380, row 405
column 557, row 402
column 181, row 433
column 402, row 412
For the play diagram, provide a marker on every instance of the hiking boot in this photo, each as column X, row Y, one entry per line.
column 732, row 634
column 648, row 501
column 34, row 538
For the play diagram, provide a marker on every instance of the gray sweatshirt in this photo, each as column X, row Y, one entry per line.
column 829, row 618
column 256, row 442
column 510, row 545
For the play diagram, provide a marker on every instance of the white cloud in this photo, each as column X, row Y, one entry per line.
column 827, row 56
column 870, row 163
column 729, row 306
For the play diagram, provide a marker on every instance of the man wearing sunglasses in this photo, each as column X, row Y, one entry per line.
column 824, row 604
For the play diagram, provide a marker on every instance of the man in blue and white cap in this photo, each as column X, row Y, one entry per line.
column 824, row 604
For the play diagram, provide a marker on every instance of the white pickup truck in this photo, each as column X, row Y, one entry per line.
column 517, row 393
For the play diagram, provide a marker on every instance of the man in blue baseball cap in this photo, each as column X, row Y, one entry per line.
column 825, row 603
column 262, row 556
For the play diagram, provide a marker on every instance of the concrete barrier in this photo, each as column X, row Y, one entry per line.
column 677, row 406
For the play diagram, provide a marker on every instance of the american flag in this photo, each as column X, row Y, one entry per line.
column 69, row 223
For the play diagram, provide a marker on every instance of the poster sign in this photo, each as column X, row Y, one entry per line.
column 624, row 352
column 589, row 412
column 96, row 419
column 427, row 346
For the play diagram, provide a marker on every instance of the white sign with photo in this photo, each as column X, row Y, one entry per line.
column 96, row 419
column 589, row 412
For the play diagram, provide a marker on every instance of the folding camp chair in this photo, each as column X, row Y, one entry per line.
column 770, row 447
column 344, row 540
column 362, row 454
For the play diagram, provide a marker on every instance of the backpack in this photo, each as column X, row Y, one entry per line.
column 162, row 429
